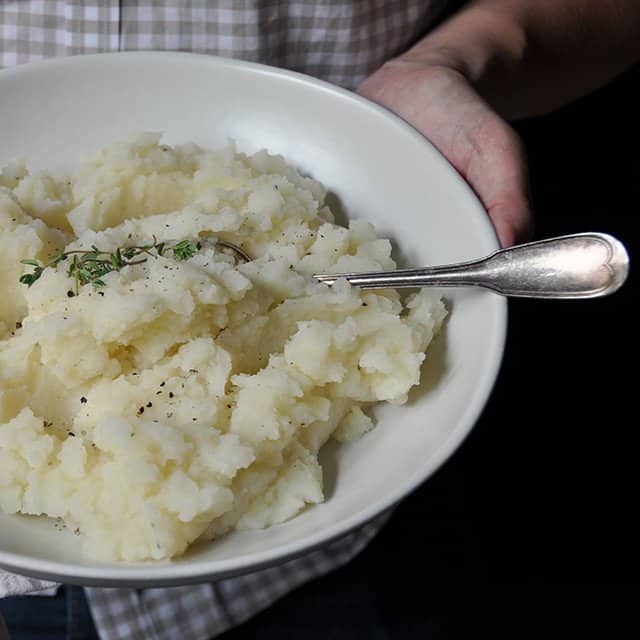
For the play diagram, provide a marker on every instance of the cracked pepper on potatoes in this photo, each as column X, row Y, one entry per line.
column 184, row 398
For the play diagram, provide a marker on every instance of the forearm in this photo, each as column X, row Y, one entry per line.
column 528, row 57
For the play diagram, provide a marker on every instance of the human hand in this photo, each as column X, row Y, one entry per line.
column 440, row 103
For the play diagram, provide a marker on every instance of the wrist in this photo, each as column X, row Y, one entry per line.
column 486, row 45
column 477, row 42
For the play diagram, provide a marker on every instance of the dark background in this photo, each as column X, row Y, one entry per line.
column 529, row 530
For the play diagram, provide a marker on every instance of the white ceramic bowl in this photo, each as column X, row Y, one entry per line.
column 378, row 167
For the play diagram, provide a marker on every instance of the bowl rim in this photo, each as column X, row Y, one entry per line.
column 172, row 574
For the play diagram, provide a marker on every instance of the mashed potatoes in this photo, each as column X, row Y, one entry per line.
column 183, row 399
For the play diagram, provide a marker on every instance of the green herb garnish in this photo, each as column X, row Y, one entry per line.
column 184, row 250
column 89, row 267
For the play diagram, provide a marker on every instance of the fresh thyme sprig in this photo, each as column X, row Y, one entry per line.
column 90, row 267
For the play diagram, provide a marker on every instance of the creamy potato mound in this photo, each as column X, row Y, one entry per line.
column 184, row 399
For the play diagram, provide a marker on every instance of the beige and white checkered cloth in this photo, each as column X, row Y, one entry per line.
column 341, row 41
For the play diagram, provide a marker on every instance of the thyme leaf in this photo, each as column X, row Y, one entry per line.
column 90, row 267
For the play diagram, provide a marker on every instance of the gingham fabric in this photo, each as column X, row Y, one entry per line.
column 340, row 41
column 337, row 40
column 205, row 611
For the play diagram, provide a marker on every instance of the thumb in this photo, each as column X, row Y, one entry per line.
column 497, row 171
